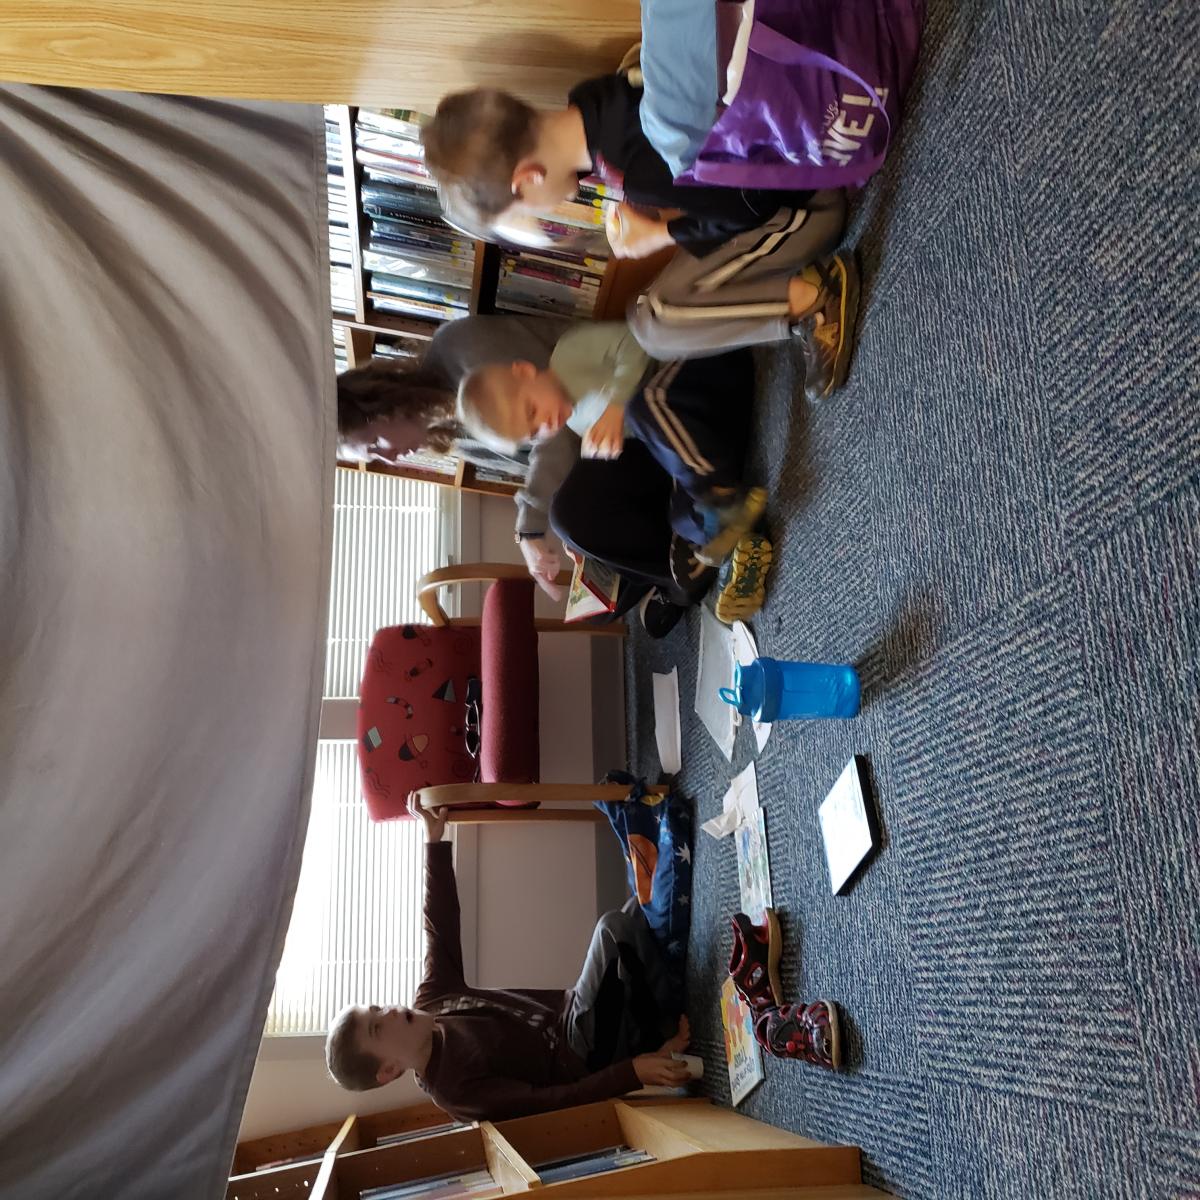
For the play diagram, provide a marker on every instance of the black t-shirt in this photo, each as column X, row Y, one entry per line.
column 622, row 155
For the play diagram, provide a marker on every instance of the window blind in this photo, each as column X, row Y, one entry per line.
column 355, row 934
column 387, row 532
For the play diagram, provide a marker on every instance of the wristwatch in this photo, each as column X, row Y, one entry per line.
column 520, row 537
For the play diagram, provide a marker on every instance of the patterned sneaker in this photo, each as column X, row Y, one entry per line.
column 754, row 962
column 725, row 516
column 742, row 580
column 658, row 614
column 806, row 1031
column 828, row 332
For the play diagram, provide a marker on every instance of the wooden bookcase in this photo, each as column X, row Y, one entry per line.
column 699, row 1149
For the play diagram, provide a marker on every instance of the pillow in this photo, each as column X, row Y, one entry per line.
column 655, row 833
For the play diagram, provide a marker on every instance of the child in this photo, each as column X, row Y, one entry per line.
column 749, row 267
column 491, row 1054
column 690, row 417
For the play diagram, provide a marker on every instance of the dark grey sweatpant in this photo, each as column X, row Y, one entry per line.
column 736, row 295
column 625, row 927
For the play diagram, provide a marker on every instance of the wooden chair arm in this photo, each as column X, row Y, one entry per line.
column 452, row 795
column 427, row 586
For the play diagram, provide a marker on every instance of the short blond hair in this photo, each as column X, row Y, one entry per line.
column 352, row 1067
column 486, row 397
column 474, row 143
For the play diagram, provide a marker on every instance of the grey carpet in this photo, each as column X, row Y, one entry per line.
column 999, row 520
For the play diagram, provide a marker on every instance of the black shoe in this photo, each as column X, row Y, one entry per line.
column 692, row 577
column 659, row 615
column 827, row 333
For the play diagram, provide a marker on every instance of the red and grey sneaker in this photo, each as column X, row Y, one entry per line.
column 754, row 963
column 806, row 1031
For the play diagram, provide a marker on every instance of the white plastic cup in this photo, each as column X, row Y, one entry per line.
column 693, row 1062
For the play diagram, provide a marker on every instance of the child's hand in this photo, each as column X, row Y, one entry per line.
column 633, row 234
column 434, row 818
column 660, row 1070
column 679, row 1043
column 606, row 438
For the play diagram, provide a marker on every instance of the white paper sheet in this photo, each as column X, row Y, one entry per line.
column 715, row 671
column 666, row 721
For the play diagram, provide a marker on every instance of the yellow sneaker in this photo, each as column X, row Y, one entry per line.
column 742, row 582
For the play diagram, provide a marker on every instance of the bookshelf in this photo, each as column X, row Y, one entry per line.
column 687, row 1148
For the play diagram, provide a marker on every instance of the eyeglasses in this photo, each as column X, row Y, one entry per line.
column 474, row 699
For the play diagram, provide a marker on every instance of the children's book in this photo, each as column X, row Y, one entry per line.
column 742, row 1052
column 593, row 590
column 848, row 826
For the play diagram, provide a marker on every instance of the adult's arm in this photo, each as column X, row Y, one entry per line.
column 550, row 461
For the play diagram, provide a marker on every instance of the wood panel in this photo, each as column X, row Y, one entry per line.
column 707, row 1127
column 275, row 1183
column 407, row 53
column 734, row 1172
column 839, row 1191
column 570, row 1131
column 314, row 1139
column 398, row 1120
column 362, row 1169
column 508, row 1168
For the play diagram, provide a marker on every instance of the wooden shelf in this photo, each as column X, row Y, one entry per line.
column 698, row 1149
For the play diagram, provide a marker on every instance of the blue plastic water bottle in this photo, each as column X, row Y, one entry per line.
column 770, row 690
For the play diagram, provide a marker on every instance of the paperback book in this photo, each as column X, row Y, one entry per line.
column 742, row 1052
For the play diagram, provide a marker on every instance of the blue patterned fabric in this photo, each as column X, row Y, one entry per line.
column 998, row 521
column 655, row 833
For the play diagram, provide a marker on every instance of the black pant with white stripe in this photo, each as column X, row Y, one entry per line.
column 687, row 432
column 737, row 294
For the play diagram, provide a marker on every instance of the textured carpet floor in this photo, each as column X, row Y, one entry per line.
column 999, row 520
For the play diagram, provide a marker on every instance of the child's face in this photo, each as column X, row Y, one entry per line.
column 537, row 406
column 398, row 1037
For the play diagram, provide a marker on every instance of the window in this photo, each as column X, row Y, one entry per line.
column 355, row 933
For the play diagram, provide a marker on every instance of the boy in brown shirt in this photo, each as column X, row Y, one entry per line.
column 491, row 1053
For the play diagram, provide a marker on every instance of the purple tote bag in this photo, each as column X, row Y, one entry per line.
column 820, row 96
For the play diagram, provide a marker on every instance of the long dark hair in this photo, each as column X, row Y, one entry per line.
column 384, row 387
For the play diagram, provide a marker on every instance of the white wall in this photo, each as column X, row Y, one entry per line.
column 535, row 884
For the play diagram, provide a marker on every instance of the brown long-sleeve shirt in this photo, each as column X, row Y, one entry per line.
column 497, row 1053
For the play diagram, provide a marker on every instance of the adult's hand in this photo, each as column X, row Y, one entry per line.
column 434, row 818
column 544, row 563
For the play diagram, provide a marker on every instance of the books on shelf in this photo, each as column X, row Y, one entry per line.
column 418, row 265
column 593, row 590
column 477, row 1184
column 557, row 270
column 413, row 1135
column 595, row 1162
column 341, row 272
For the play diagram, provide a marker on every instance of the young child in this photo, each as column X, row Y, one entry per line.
column 750, row 265
column 491, row 1054
column 690, row 416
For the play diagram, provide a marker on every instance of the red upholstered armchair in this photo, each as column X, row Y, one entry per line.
column 413, row 723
